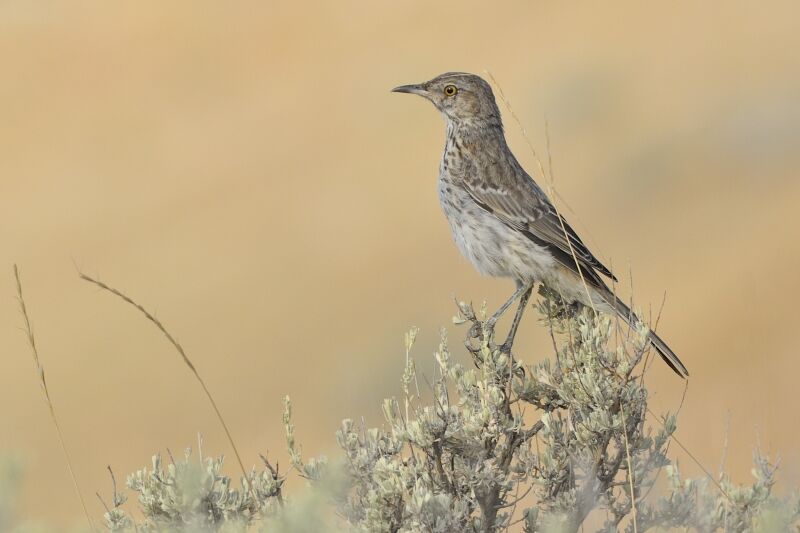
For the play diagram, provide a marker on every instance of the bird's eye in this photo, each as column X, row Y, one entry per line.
column 450, row 90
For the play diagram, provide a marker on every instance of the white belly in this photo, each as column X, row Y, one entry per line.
column 493, row 248
column 496, row 250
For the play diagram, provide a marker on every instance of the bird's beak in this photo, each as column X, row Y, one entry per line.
column 411, row 89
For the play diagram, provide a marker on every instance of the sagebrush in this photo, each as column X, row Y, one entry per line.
column 492, row 445
column 567, row 443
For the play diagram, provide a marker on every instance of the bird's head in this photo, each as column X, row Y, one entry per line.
column 461, row 97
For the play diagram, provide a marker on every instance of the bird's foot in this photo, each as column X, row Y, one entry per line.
column 565, row 310
column 557, row 307
column 506, row 349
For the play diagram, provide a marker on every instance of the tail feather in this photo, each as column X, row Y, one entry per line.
column 658, row 343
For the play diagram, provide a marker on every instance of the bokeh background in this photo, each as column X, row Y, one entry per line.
column 243, row 169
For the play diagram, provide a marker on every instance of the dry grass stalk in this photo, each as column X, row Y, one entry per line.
column 630, row 470
column 182, row 353
column 552, row 193
column 48, row 400
column 550, row 189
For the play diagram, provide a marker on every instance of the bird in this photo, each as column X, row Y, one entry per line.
column 501, row 219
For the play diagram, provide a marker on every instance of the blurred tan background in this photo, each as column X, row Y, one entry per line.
column 243, row 170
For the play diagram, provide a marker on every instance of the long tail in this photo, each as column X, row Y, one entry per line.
column 661, row 347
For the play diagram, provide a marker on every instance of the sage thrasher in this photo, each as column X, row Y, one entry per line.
column 502, row 221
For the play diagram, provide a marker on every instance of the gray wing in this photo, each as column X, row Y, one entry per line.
column 520, row 204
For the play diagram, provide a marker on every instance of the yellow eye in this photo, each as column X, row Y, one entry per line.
column 450, row 90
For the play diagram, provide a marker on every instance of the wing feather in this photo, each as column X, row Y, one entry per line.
column 523, row 206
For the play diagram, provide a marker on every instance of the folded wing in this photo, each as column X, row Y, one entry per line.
column 523, row 206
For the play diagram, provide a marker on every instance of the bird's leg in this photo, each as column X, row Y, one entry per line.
column 503, row 308
column 523, row 303
column 521, row 289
